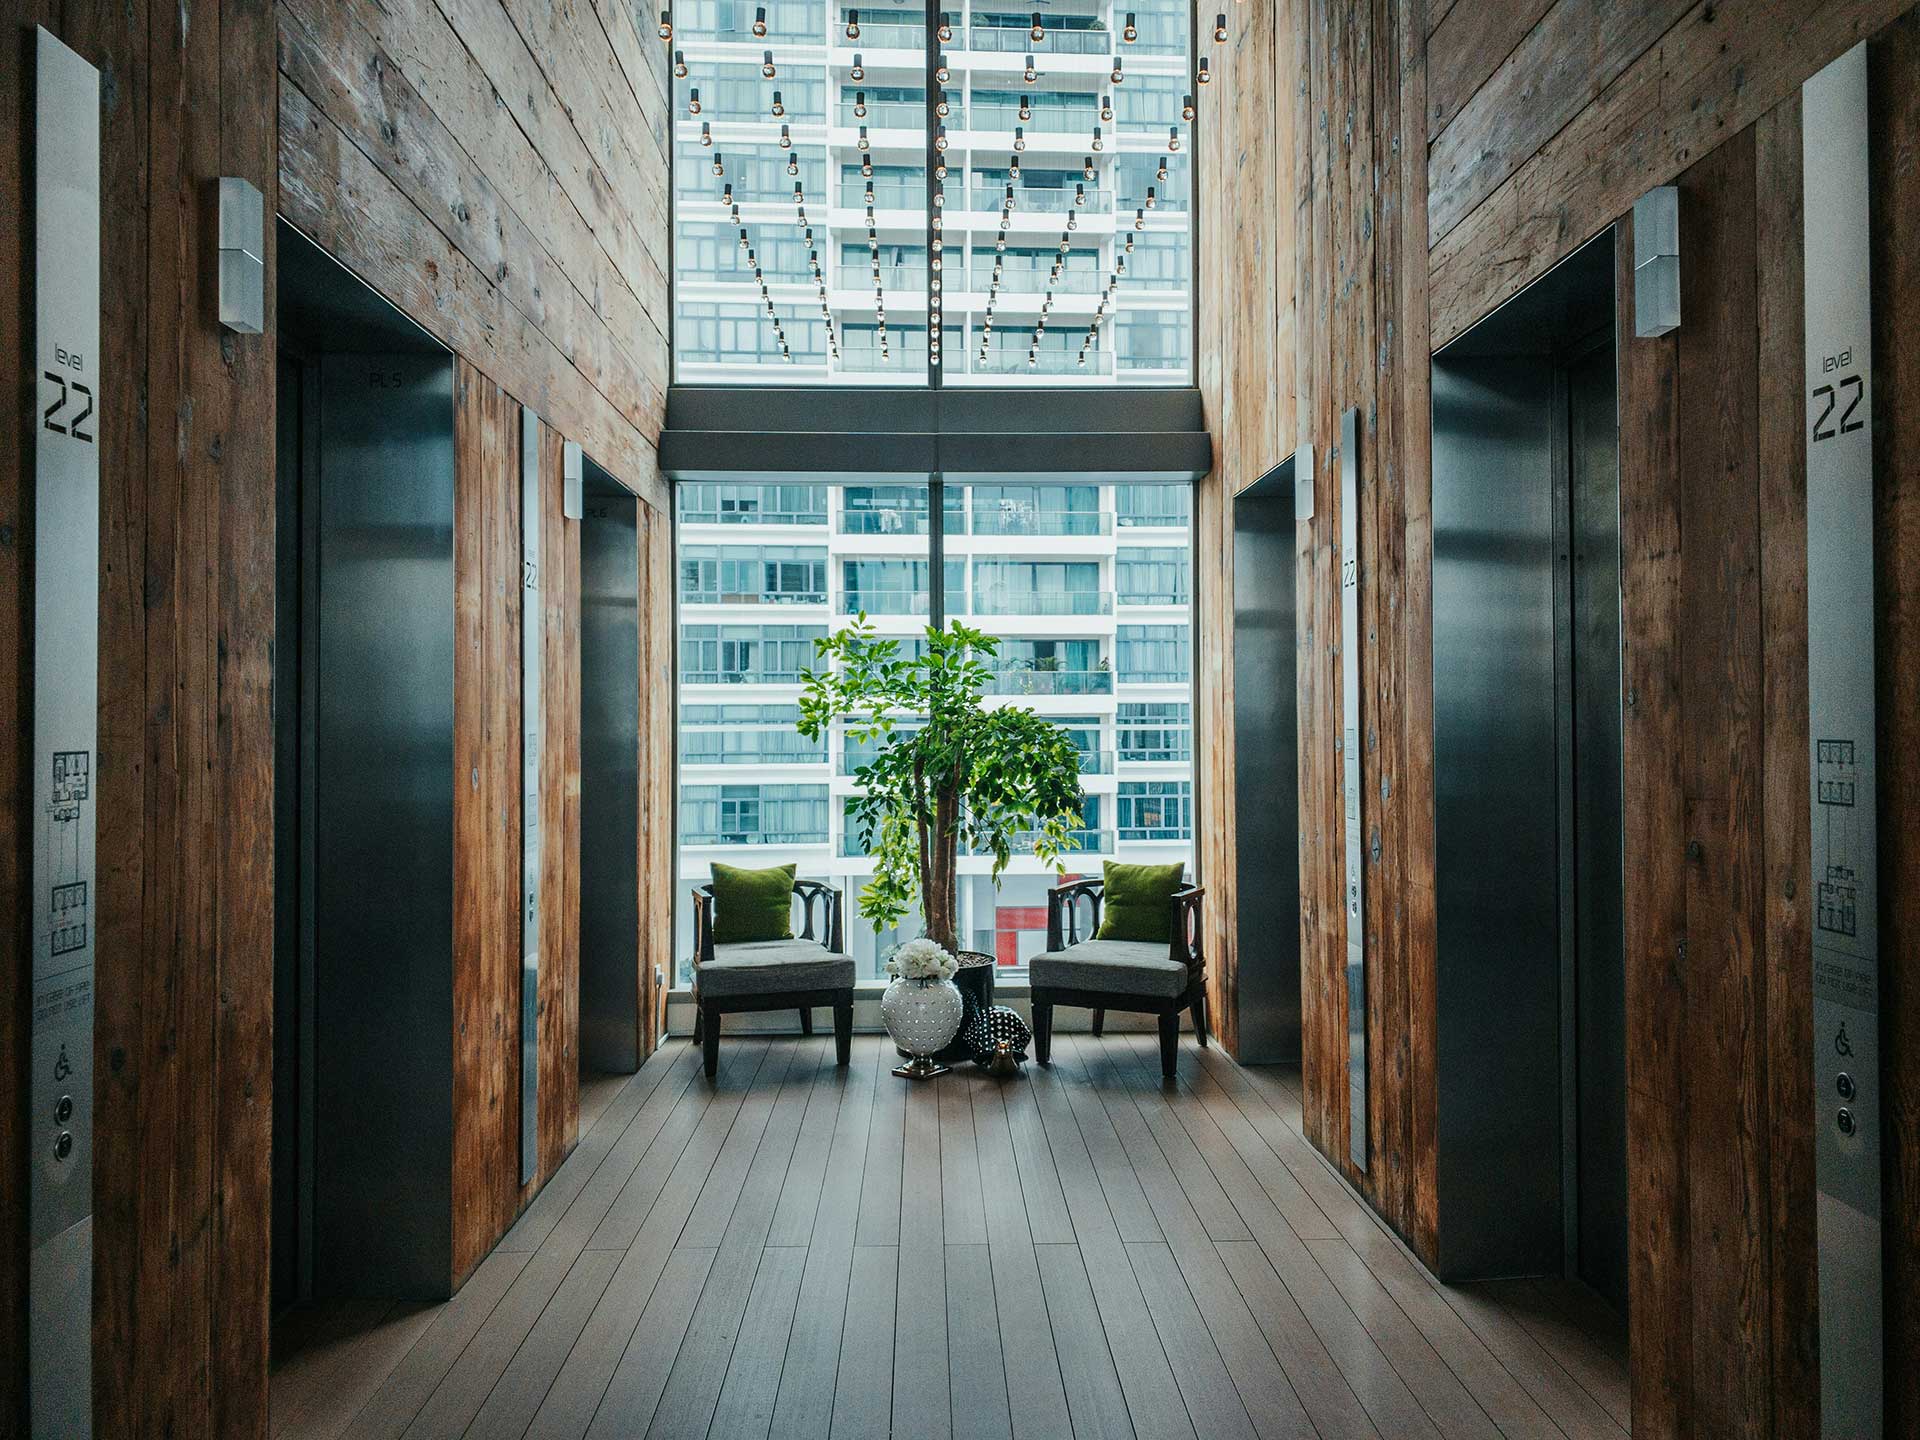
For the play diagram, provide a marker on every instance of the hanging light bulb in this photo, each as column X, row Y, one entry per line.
column 1140, row 219
column 1205, row 77
column 866, row 168
column 1161, row 173
column 940, row 170
column 859, row 71
column 800, row 197
column 1038, row 31
column 745, row 244
column 706, row 133
column 779, row 105
column 1026, row 108
column 679, row 65
column 853, row 24
column 1000, row 245
column 719, row 164
column 786, row 139
column 760, row 22
column 1116, row 77
column 1030, row 74
column 666, row 26
column 1106, row 108
column 693, row 101
column 1079, row 194
column 940, row 71
column 793, row 164
column 1187, row 108
column 1073, row 221
column 1129, row 246
column 863, row 142
column 941, row 107
column 1220, row 29
column 869, row 195
column 1132, row 31
column 766, row 64
column 1173, row 137
column 940, row 138
column 946, row 28
column 1150, row 197
column 726, row 194
column 1098, row 143
column 859, row 104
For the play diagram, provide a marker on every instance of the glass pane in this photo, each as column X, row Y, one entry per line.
column 765, row 570
column 1051, row 243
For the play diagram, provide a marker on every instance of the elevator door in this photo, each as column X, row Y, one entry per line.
column 1600, row 1042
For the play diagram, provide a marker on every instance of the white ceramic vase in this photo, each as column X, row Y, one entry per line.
column 923, row 1016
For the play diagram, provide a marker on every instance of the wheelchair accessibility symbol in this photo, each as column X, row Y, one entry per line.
column 62, row 1067
column 1841, row 1044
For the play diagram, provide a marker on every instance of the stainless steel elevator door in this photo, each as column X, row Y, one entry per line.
column 610, row 783
column 1598, row 900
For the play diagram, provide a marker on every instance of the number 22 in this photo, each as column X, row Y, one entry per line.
column 1821, row 429
column 68, row 390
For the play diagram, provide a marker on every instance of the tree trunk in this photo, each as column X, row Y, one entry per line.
column 939, row 878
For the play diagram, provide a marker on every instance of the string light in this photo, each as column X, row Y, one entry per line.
column 1187, row 108
column 1038, row 31
column 946, row 29
column 1132, row 31
column 1098, row 143
column 1173, row 137
column 853, row 25
column 760, row 22
column 679, row 65
column 706, row 134
column 1150, row 196
column 693, row 101
column 1220, row 29
column 941, row 107
column 1161, row 173
column 666, row 26
column 1019, row 137
column 940, row 71
column 719, row 163
column 859, row 104
column 1205, row 77
column 859, row 71
column 786, row 139
column 766, row 64
column 793, row 163
column 1106, row 108
column 863, row 142
column 1116, row 77
column 779, row 106
column 1030, row 74
column 1086, row 168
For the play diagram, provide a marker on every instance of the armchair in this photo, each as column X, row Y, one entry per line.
column 795, row 974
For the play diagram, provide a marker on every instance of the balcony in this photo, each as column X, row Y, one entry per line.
column 887, row 195
column 740, row 677
column 1045, row 120
column 752, row 837
column 1018, row 40
column 1021, row 280
column 770, row 755
column 753, row 597
column 691, row 516
column 885, row 602
column 1165, row 834
column 1012, row 518
column 892, row 278
column 1037, row 200
column 1047, row 362
column 993, row 599
column 1024, row 679
column 1079, row 842
column 882, row 35
column 868, row 360
column 887, row 115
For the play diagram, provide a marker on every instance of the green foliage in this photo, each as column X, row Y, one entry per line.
column 948, row 769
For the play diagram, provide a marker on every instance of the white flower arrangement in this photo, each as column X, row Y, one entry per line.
column 922, row 959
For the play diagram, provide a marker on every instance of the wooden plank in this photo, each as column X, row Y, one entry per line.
column 1466, row 46
column 976, row 1369
column 920, row 1393
column 863, row 1389
column 1095, row 1400
column 1653, row 829
column 1894, row 100
column 633, row 1393
column 509, row 1407
column 1785, row 839
column 752, row 1386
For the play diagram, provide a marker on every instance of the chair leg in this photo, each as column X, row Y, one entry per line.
column 806, row 1020
column 710, row 1040
column 1099, row 1023
column 1169, row 1044
column 843, row 1031
column 1200, row 1018
column 1043, row 1031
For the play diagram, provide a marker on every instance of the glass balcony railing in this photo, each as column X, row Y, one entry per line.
column 1034, row 282
column 1156, row 832
column 1045, row 120
column 1096, row 762
column 870, row 361
column 1153, row 597
column 885, row 602
column 1036, row 200
column 1014, row 519
column 774, row 754
column 753, row 597
column 1025, row 680
column 1018, row 40
column 1162, row 755
column 1046, row 362
column 883, row 35
column 887, row 115
column 990, row 599
column 1081, row 842
column 887, row 195
column 691, row 516
column 894, row 277
column 752, row 837
column 740, row 677
column 883, row 522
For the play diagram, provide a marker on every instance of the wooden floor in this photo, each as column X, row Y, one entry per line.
column 801, row 1251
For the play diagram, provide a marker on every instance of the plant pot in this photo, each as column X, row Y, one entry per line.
column 923, row 1016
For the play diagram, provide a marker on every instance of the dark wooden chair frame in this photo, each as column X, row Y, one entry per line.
column 706, row 1024
column 1184, row 947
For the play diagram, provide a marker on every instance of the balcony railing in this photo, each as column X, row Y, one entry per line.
column 883, row 522
column 1153, row 597
column 1164, row 520
column 1023, row 281
column 1156, row 832
column 1045, row 119
column 1096, row 762
column 1008, row 518
column 868, row 360
column 888, row 115
column 1035, row 200
column 1160, row 755
column 1082, row 842
column 772, row 756
column 1013, row 361
column 753, row 597
column 740, row 677
column 892, row 277
column 1018, row 40
column 991, row 599
column 691, row 516
column 887, row 195
column 885, row 602
column 882, row 35
column 753, row 837
column 1024, row 680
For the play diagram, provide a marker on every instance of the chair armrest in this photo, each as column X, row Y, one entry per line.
column 1184, row 929
column 1063, row 911
column 810, row 892
column 702, row 925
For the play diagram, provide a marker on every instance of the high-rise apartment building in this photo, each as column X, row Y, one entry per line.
column 1086, row 586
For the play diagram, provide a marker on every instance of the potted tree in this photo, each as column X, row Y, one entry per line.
column 961, row 770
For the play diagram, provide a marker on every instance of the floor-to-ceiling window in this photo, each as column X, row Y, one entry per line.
column 1027, row 216
column 1085, row 585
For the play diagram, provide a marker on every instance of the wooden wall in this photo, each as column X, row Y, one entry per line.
column 497, row 170
column 1438, row 157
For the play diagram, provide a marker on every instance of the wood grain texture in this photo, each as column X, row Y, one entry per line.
column 1466, row 45
column 1894, row 97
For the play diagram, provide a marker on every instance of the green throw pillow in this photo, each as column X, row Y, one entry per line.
column 752, row 904
column 1139, row 901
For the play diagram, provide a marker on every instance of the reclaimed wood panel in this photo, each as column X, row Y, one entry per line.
column 1894, row 91
column 1466, row 45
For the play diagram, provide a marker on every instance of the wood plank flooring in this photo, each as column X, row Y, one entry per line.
column 801, row 1251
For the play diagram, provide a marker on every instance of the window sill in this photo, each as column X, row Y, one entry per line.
column 866, row 1014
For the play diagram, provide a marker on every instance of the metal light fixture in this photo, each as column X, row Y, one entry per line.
column 1173, row 137
column 786, row 139
column 719, row 164
column 946, row 28
column 1098, row 143
column 766, row 64
column 941, row 107
column 859, row 104
column 1205, row 77
column 1106, row 107
column 1161, row 173
column 1220, row 29
column 1031, row 73
column 863, row 143
column 853, row 24
column 666, row 25
column 1038, row 31
column 706, row 133
column 859, row 71
column 1187, row 108
column 760, row 22
column 1086, row 168
column 940, row 138
column 679, row 65
column 940, row 71
column 693, row 101
column 793, row 164
column 1132, row 31
column 1150, row 196
column 1116, row 76
column 1080, row 194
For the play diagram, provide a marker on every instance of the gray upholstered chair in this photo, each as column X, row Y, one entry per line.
column 1142, row 976
column 795, row 974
